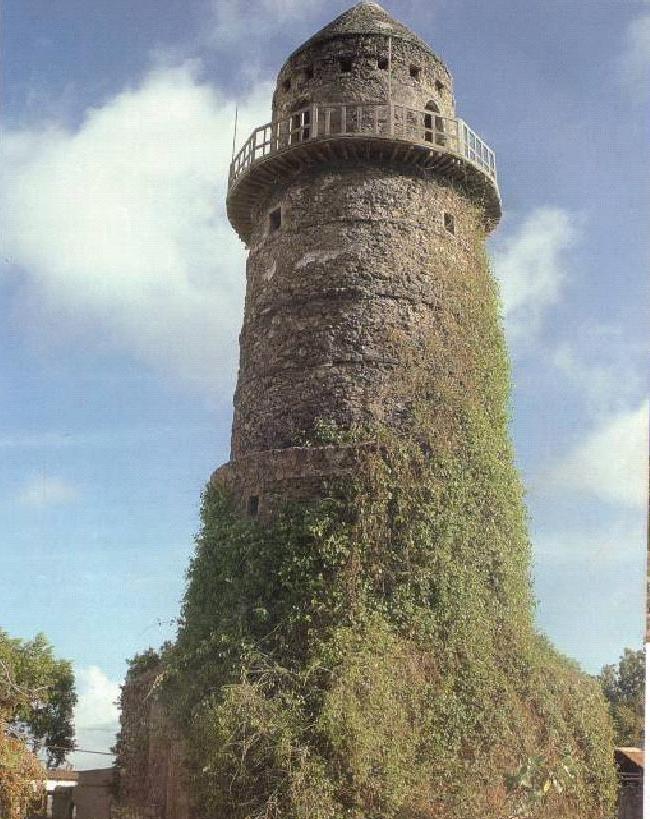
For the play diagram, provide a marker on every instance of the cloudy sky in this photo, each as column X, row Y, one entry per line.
column 121, row 298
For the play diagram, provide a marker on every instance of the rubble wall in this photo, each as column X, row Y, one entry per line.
column 151, row 775
column 369, row 262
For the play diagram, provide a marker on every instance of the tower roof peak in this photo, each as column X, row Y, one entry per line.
column 366, row 17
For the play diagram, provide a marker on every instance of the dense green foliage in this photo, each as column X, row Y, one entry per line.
column 372, row 655
column 36, row 702
column 320, row 676
column 37, row 694
column 624, row 687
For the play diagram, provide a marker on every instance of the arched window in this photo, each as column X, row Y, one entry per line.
column 434, row 126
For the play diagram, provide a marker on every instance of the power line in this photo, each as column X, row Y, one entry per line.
column 87, row 751
column 19, row 735
column 77, row 750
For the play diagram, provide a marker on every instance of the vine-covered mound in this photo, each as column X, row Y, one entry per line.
column 372, row 654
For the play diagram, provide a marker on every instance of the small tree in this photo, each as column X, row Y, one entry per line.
column 36, row 701
column 624, row 688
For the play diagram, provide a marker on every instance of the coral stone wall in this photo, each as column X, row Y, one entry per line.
column 152, row 782
column 314, row 75
column 361, row 270
column 278, row 476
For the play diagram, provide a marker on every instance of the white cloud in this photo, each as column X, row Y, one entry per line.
column 119, row 227
column 635, row 60
column 611, row 464
column 44, row 490
column 96, row 717
column 607, row 377
column 531, row 268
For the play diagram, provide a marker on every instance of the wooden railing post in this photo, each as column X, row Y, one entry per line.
column 391, row 119
column 314, row 120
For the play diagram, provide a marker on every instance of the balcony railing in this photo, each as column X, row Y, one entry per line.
column 387, row 121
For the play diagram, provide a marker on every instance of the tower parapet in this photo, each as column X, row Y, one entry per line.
column 364, row 86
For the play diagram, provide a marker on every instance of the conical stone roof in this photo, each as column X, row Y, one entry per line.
column 364, row 18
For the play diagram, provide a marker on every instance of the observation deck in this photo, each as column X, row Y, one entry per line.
column 322, row 134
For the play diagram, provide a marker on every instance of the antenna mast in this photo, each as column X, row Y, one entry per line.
column 234, row 134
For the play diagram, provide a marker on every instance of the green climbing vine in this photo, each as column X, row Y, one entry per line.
column 372, row 654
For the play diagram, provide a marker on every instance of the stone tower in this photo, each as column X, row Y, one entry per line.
column 373, row 655
column 364, row 205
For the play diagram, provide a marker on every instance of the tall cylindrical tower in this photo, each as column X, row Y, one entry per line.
column 364, row 204
column 374, row 655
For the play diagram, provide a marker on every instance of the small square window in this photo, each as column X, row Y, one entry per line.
column 346, row 65
column 382, row 63
column 286, row 85
column 253, row 505
column 309, row 72
column 449, row 222
column 275, row 220
column 415, row 71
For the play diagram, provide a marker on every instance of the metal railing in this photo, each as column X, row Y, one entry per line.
column 387, row 120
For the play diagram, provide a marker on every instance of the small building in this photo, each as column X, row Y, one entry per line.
column 629, row 764
column 78, row 794
column 59, row 781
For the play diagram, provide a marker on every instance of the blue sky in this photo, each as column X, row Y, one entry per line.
column 121, row 295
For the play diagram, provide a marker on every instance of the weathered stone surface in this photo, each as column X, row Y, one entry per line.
column 362, row 268
column 278, row 476
column 151, row 774
column 313, row 72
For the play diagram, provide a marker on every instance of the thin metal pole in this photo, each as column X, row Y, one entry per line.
column 390, row 69
column 234, row 136
column 391, row 115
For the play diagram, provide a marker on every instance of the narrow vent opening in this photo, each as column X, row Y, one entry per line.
column 275, row 220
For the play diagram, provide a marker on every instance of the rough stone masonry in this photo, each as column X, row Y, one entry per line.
column 362, row 248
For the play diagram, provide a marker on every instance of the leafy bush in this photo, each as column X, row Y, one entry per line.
column 624, row 688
